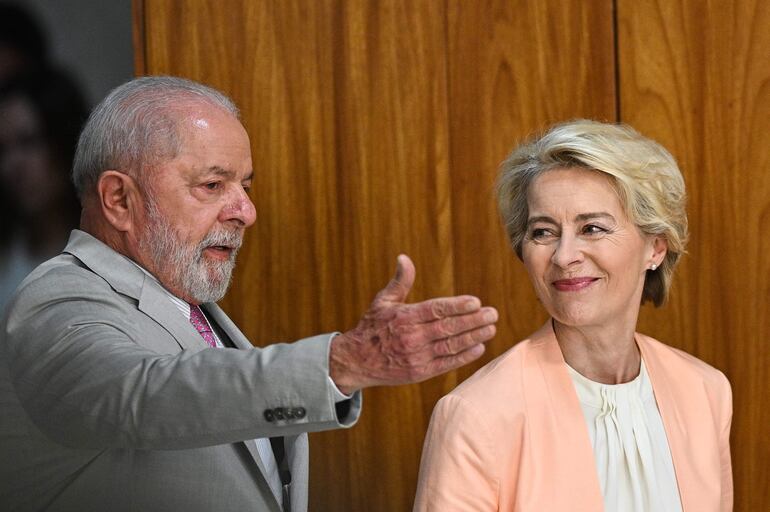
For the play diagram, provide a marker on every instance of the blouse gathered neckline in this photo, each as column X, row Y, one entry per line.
column 631, row 450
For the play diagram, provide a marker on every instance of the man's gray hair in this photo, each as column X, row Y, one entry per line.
column 136, row 126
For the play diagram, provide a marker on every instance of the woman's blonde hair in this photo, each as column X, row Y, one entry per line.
column 646, row 177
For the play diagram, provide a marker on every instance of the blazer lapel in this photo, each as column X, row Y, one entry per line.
column 128, row 279
column 559, row 436
column 677, row 403
column 125, row 277
column 154, row 303
column 297, row 452
column 215, row 313
column 251, row 446
column 223, row 322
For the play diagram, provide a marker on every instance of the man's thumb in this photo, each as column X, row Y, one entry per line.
column 398, row 287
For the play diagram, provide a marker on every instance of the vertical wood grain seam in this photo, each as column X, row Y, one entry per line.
column 449, row 142
column 616, row 59
column 138, row 37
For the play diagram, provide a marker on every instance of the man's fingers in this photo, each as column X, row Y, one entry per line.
column 398, row 287
column 445, row 364
column 397, row 343
column 435, row 309
column 454, row 325
column 456, row 344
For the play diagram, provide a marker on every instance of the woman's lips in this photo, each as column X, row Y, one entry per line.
column 574, row 284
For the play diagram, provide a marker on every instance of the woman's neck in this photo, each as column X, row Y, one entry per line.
column 603, row 354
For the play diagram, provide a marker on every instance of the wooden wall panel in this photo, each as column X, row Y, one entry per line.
column 377, row 128
column 514, row 68
column 696, row 77
column 346, row 104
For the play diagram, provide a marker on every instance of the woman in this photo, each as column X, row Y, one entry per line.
column 41, row 113
column 586, row 414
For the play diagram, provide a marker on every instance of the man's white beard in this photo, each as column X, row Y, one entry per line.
column 184, row 266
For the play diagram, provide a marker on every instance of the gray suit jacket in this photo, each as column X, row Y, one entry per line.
column 110, row 399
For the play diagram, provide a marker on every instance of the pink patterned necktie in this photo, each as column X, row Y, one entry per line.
column 202, row 325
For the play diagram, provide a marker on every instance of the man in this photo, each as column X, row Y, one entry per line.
column 124, row 387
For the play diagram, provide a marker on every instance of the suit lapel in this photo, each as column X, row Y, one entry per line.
column 218, row 317
column 215, row 314
column 125, row 277
column 154, row 303
column 128, row 279
column 251, row 446
column 297, row 451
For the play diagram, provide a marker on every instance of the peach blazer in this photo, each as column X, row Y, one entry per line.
column 513, row 436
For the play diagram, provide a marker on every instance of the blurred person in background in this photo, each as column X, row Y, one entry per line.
column 23, row 45
column 41, row 113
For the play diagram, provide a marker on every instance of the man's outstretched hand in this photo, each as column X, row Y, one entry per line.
column 399, row 343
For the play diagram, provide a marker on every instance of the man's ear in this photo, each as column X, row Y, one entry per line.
column 118, row 197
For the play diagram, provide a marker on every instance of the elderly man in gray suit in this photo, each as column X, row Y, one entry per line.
column 123, row 387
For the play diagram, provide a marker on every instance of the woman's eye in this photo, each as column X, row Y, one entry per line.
column 540, row 234
column 592, row 229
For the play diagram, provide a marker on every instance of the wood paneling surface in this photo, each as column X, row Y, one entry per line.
column 377, row 128
column 514, row 69
column 345, row 103
column 696, row 77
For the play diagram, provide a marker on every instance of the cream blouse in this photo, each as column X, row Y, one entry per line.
column 630, row 447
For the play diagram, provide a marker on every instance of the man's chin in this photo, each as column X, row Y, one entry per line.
column 209, row 295
column 208, row 283
column 217, row 287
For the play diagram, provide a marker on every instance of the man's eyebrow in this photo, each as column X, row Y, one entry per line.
column 581, row 217
column 221, row 171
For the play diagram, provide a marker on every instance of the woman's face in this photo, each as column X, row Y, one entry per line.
column 586, row 259
column 27, row 168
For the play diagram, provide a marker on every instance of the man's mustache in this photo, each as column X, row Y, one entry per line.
column 222, row 237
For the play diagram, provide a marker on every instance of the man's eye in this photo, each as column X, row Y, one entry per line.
column 213, row 185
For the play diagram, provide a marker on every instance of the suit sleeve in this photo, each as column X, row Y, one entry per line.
column 459, row 470
column 86, row 383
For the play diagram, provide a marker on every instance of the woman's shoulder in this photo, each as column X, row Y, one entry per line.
column 678, row 362
column 502, row 380
column 491, row 397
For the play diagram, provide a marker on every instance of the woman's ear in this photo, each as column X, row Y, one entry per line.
column 659, row 250
column 118, row 195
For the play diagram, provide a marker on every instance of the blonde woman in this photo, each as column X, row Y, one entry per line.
column 587, row 414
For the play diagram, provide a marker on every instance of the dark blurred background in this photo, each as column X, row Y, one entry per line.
column 57, row 59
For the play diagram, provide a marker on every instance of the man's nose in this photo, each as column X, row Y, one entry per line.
column 239, row 209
